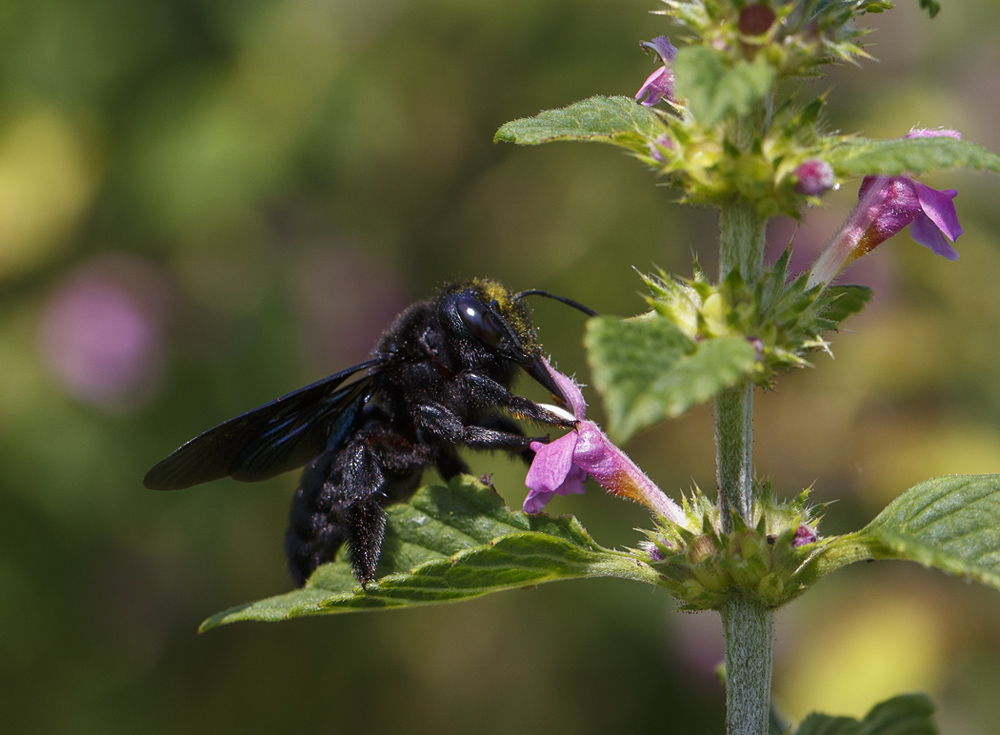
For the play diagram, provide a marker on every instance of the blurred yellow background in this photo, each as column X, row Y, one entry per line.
column 204, row 205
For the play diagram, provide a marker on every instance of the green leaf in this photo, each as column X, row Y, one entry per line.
column 907, row 714
column 861, row 156
column 618, row 120
column 775, row 724
column 949, row 523
column 648, row 370
column 714, row 90
column 933, row 6
column 449, row 544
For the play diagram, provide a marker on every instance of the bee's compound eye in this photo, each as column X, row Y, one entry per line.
column 478, row 319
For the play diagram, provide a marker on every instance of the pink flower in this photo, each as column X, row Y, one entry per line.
column 887, row 204
column 101, row 332
column 560, row 467
column 659, row 85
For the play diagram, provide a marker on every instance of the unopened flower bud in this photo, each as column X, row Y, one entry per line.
column 813, row 178
column 657, row 146
column 803, row 535
column 756, row 19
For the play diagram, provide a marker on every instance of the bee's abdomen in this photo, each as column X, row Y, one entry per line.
column 340, row 500
column 315, row 528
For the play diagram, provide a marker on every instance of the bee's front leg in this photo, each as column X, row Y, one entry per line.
column 487, row 392
column 442, row 422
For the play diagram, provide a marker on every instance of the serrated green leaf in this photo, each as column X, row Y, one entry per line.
column 448, row 544
column 907, row 714
column 618, row 120
column 861, row 156
column 648, row 370
column 713, row 89
column 949, row 523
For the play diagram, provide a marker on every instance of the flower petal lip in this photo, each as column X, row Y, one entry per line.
column 938, row 220
column 658, row 86
column 552, row 473
column 663, row 48
column 553, row 463
column 925, row 232
column 570, row 391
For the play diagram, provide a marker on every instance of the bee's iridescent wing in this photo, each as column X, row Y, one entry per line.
column 271, row 439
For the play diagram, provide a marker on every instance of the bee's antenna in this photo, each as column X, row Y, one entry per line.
column 569, row 302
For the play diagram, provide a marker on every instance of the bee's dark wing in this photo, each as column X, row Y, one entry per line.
column 271, row 439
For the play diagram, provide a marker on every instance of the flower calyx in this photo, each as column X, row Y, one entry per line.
column 779, row 172
column 782, row 318
column 773, row 562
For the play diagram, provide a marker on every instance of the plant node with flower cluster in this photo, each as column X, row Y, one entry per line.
column 772, row 562
column 783, row 319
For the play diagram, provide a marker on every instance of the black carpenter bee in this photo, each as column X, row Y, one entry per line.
column 438, row 378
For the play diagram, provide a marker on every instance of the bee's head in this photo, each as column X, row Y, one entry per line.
column 498, row 321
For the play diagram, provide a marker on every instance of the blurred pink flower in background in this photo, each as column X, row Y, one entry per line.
column 101, row 332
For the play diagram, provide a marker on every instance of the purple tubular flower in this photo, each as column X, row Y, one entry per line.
column 659, row 85
column 560, row 467
column 887, row 204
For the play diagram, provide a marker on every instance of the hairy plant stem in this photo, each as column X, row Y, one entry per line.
column 748, row 626
column 741, row 241
column 734, row 454
column 741, row 250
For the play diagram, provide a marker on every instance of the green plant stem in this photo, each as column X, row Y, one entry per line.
column 747, row 625
column 741, row 246
column 741, row 250
column 748, row 628
column 734, row 453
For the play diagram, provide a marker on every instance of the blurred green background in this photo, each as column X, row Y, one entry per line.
column 206, row 204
